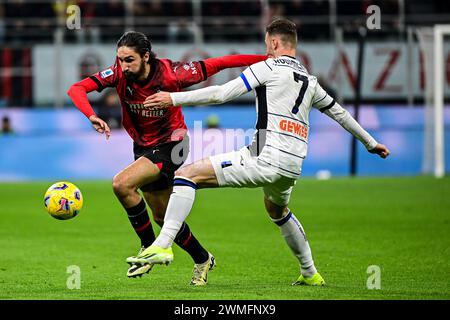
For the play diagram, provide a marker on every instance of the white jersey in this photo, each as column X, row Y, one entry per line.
column 285, row 94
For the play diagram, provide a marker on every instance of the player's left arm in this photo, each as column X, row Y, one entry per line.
column 214, row 65
column 191, row 73
column 251, row 78
column 326, row 104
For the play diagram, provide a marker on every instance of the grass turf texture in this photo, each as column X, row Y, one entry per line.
column 399, row 224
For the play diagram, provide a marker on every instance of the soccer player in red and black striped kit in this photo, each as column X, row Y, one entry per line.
column 159, row 134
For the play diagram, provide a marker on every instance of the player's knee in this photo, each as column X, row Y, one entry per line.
column 275, row 211
column 184, row 172
column 120, row 186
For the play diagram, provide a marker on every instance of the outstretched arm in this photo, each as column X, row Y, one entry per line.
column 208, row 95
column 192, row 73
column 214, row 65
column 326, row 104
column 78, row 93
column 344, row 118
column 252, row 77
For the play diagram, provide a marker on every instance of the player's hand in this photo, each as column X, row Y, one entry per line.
column 381, row 150
column 161, row 99
column 100, row 126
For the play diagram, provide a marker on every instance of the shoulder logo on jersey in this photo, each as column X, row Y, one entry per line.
column 106, row 73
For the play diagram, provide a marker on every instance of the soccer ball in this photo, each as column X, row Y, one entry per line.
column 63, row 200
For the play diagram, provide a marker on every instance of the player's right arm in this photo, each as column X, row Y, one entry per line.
column 252, row 77
column 326, row 104
column 79, row 90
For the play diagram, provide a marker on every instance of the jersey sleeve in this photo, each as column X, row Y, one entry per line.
column 257, row 74
column 210, row 95
column 322, row 100
column 78, row 93
column 189, row 73
column 107, row 78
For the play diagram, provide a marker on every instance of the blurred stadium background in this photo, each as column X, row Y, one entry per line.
column 45, row 137
column 397, row 223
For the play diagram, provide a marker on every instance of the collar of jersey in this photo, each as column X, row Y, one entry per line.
column 285, row 55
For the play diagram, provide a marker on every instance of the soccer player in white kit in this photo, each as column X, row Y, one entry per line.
column 285, row 95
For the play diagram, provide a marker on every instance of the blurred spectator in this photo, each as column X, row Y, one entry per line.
column 311, row 16
column 44, row 28
column 232, row 20
column 2, row 24
column 90, row 31
column 110, row 109
column 111, row 15
column 213, row 21
column 89, row 64
column 17, row 12
column 181, row 31
column 351, row 15
column 6, row 126
column 180, row 27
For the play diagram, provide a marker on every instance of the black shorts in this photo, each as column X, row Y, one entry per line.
column 168, row 156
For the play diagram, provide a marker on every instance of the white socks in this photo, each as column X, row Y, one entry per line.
column 294, row 235
column 180, row 204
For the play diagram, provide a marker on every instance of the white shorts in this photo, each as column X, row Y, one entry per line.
column 239, row 169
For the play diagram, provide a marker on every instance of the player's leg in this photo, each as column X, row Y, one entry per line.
column 126, row 184
column 158, row 200
column 233, row 169
column 203, row 260
column 153, row 168
column 276, row 199
column 187, row 180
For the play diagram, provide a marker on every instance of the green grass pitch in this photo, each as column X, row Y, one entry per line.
column 399, row 224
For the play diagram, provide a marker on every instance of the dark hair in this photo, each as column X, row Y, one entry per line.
column 138, row 41
column 284, row 28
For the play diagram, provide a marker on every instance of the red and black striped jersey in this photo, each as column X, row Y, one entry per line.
column 152, row 126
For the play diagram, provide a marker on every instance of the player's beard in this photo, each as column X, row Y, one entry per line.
column 134, row 76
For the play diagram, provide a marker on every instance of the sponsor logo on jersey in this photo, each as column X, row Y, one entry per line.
column 190, row 65
column 140, row 109
column 294, row 127
column 106, row 73
column 129, row 91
